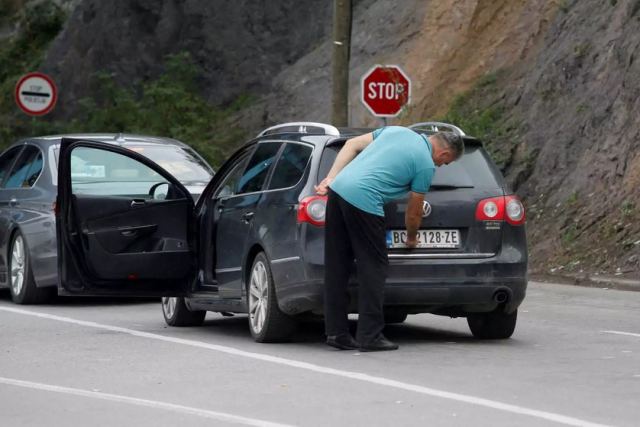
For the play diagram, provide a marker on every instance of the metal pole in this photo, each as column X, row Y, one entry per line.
column 341, row 53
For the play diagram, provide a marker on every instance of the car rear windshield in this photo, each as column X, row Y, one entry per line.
column 474, row 170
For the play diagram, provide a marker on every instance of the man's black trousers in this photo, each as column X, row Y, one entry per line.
column 351, row 233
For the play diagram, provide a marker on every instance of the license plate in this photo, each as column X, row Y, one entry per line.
column 449, row 239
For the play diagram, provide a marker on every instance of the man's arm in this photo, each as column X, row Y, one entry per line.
column 413, row 217
column 348, row 152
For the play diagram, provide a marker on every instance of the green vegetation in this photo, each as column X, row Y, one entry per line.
column 39, row 23
column 564, row 5
column 572, row 200
column 627, row 209
column 581, row 50
column 570, row 234
column 481, row 113
column 169, row 105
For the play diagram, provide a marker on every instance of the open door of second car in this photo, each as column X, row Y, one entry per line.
column 125, row 226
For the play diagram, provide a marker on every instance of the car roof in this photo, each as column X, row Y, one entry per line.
column 113, row 138
column 322, row 134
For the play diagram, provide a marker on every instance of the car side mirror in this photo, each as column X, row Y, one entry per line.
column 225, row 191
column 160, row 191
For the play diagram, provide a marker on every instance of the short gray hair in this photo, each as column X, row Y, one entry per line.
column 453, row 141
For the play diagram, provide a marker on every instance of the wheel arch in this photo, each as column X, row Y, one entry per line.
column 253, row 251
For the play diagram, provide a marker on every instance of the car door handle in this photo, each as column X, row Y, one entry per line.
column 137, row 203
column 13, row 202
column 247, row 217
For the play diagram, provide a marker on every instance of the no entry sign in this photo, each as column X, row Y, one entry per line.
column 36, row 94
column 385, row 90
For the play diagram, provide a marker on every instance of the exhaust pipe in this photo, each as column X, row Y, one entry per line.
column 501, row 296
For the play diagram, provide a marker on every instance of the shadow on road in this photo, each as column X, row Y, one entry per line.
column 312, row 332
column 84, row 301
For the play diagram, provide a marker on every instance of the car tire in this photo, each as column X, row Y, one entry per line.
column 266, row 322
column 22, row 285
column 394, row 317
column 176, row 313
column 492, row 326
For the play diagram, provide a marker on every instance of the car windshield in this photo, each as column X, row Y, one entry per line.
column 474, row 170
column 183, row 163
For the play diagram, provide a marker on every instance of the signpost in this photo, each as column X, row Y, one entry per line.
column 36, row 94
column 385, row 90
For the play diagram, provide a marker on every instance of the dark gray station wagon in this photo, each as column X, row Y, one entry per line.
column 254, row 241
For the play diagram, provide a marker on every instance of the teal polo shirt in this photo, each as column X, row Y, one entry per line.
column 398, row 160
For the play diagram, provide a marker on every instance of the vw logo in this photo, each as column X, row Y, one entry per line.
column 426, row 209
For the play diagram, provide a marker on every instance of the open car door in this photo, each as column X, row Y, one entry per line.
column 124, row 225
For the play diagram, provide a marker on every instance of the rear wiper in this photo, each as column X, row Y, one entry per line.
column 448, row 187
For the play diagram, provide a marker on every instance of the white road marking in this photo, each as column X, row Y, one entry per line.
column 219, row 416
column 487, row 403
column 629, row 334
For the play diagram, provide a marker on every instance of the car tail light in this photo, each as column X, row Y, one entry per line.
column 312, row 210
column 515, row 210
column 504, row 208
column 490, row 209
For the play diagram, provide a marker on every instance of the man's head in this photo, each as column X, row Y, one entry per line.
column 446, row 147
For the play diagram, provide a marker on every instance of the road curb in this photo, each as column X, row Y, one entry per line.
column 602, row 282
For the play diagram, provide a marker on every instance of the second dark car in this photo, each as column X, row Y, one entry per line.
column 29, row 188
column 254, row 241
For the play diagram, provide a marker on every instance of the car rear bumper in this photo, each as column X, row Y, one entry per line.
column 452, row 287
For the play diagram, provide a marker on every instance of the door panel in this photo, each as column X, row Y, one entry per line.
column 113, row 236
column 153, row 234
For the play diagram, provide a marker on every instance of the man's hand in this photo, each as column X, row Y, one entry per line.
column 413, row 218
column 323, row 188
column 412, row 242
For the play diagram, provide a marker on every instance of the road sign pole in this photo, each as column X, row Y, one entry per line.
column 341, row 53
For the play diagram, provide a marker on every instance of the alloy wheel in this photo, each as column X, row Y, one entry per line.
column 258, row 297
column 169, row 306
column 17, row 265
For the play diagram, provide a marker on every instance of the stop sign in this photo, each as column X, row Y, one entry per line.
column 385, row 90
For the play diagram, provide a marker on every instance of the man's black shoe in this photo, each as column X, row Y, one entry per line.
column 381, row 343
column 343, row 342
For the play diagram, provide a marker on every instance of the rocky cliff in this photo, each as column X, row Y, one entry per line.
column 552, row 85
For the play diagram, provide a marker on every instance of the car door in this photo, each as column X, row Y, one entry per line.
column 235, row 219
column 113, row 236
column 7, row 160
column 277, row 210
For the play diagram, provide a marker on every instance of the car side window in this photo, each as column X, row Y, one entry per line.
column 26, row 170
column 291, row 166
column 229, row 185
column 105, row 173
column 258, row 167
column 7, row 160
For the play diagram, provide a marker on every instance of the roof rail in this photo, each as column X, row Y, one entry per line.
column 436, row 127
column 302, row 127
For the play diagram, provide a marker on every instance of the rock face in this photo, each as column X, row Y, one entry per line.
column 578, row 101
column 568, row 86
column 241, row 45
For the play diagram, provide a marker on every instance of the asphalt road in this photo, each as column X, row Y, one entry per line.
column 574, row 360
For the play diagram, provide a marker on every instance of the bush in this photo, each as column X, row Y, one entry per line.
column 169, row 105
